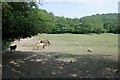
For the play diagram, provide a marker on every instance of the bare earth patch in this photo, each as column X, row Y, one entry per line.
column 22, row 64
column 67, row 59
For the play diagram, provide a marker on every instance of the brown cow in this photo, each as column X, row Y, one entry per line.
column 46, row 42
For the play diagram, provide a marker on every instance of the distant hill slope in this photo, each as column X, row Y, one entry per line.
column 109, row 22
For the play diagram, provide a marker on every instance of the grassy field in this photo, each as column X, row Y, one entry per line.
column 63, row 58
column 106, row 44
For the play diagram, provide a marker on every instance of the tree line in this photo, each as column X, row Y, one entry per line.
column 25, row 19
column 99, row 23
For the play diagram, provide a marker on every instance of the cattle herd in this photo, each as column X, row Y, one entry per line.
column 42, row 44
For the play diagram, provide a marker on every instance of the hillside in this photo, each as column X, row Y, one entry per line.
column 105, row 22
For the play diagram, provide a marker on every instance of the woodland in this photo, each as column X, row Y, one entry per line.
column 25, row 19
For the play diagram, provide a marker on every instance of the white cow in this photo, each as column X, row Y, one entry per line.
column 89, row 50
column 38, row 45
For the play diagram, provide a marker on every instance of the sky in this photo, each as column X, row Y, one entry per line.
column 79, row 8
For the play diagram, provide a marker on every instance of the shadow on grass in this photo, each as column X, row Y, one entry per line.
column 56, row 65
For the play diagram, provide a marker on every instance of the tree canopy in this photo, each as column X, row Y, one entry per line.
column 18, row 20
column 25, row 19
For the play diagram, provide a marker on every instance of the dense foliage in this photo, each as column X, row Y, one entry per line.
column 18, row 20
column 99, row 23
column 102, row 23
column 24, row 19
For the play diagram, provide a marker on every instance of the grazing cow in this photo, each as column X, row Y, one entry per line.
column 76, row 43
column 38, row 45
column 89, row 50
column 45, row 42
column 13, row 47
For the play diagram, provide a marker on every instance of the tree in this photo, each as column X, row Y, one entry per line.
column 17, row 21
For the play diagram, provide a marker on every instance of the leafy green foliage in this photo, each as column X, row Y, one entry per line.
column 24, row 19
column 102, row 23
column 18, row 20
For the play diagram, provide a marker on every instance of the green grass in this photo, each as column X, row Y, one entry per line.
column 98, row 64
column 105, row 44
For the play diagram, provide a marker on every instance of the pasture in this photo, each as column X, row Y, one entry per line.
column 66, row 57
column 104, row 44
